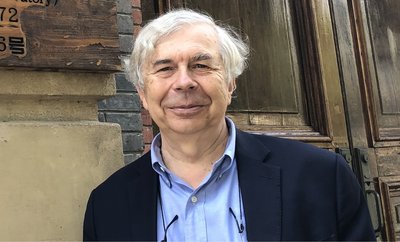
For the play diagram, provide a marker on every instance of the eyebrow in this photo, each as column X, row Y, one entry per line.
column 201, row 57
column 198, row 57
column 162, row 62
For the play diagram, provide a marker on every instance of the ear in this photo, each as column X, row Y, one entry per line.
column 142, row 97
column 232, row 86
column 231, row 89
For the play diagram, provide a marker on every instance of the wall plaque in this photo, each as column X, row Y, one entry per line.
column 59, row 34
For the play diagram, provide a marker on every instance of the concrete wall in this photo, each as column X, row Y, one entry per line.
column 53, row 151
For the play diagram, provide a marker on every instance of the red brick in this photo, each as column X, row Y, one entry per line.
column 136, row 3
column 147, row 134
column 137, row 16
column 146, row 119
column 136, row 30
column 146, row 148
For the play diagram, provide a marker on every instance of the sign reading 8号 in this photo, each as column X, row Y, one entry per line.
column 57, row 34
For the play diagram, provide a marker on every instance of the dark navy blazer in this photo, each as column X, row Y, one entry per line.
column 290, row 191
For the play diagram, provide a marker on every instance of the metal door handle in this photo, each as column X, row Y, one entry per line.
column 378, row 210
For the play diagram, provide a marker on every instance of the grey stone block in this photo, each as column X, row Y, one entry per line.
column 124, row 6
column 123, row 84
column 121, row 102
column 132, row 142
column 127, row 121
column 125, row 24
column 126, row 43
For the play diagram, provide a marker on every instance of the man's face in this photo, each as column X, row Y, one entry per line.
column 185, row 89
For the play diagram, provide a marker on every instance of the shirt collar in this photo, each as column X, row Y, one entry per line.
column 220, row 166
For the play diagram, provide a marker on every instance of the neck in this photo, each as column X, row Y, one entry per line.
column 192, row 157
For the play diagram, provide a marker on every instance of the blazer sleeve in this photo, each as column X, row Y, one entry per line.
column 89, row 232
column 354, row 222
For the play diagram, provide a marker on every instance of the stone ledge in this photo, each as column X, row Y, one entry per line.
column 49, row 84
column 48, row 110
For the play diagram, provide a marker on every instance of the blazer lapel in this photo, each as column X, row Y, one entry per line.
column 260, row 187
column 142, row 195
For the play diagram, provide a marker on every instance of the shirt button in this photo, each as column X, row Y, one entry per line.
column 194, row 199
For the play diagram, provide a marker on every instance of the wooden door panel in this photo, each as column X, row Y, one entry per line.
column 390, row 191
column 377, row 35
column 388, row 161
column 382, row 29
column 273, row 70
column 229, row 15
column 384, row 26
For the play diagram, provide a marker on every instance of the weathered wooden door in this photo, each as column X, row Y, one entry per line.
column 325, row 72
column 367, row 34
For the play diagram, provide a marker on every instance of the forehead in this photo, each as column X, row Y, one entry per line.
column 191, row 39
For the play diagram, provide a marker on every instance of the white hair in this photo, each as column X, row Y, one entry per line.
column 233, row 50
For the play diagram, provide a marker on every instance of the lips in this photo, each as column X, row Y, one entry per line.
column 186, row 106
column 186, row 110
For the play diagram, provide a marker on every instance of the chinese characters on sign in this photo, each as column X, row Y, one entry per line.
column 59, row 35
column 12, row 37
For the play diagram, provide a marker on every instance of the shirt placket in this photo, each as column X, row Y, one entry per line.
column 195, row 224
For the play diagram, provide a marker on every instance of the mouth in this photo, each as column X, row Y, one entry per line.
column 186, row 110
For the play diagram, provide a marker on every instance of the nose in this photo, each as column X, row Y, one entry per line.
column 184, row 81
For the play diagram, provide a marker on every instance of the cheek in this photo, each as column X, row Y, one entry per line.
column 221, row 92
column 222, row 87
column 150, row 88
column 155, row 94
column 224, row 90
column 228, row 98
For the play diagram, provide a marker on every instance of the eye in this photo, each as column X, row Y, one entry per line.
column 200, row 66
column 165, row 69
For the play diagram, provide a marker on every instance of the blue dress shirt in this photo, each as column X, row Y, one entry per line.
column 203, row 213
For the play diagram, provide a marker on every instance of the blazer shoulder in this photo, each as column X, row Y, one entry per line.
column 282, row 149
column 127, row 173
column 278, row 143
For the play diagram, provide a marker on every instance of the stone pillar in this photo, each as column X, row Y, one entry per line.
column 53, row 151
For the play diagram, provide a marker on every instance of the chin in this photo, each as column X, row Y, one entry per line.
column 188, row 126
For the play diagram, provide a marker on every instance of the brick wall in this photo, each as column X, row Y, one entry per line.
column 125, row 108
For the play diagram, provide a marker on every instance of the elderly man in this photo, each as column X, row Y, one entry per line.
column 205, row 180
